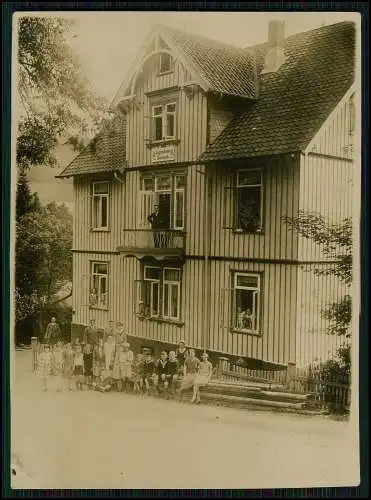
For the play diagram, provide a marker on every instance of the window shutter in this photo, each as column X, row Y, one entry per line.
column 226, row 299
column 228, row 207
column 84, row 290
column 137, row 297
column 146, row 206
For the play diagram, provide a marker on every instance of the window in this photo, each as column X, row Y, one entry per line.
column 161, row 293
column 165, row 63
column 168, row 192
column 98, row 295
column 100, row 205
column 163, row 121
column 249, row 198
column 246, row 302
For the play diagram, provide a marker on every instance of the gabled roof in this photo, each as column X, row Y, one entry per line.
column 228, row 69
column 105, row 153
column 220, row 67
column 295, row 101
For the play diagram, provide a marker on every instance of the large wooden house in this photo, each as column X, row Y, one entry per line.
column 218, row 144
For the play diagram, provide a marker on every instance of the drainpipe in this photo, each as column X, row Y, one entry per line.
column 207, row 240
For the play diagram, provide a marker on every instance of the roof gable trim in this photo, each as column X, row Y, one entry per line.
column 128, row 84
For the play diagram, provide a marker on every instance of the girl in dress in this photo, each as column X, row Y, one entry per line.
column 98, row 359
column 58, row 364
column 126, row 358
column 45, row 366
column 78, row 368
column 116, row 372
column 68, row 366
column 138, row 373
column 202, row 378
column 190, row 371
column 88, row 365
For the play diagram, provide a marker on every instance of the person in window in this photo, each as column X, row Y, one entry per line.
column 93, row 297
column 248, row 320
column 53, row 332
column 240, row 318
column 158, row 227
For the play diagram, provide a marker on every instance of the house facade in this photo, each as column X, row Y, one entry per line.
column 179, row 203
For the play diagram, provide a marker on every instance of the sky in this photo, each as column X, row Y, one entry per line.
column 107, row 44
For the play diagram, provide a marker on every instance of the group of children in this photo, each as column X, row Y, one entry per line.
column 110, row 364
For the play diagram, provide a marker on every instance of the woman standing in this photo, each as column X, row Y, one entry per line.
column 205, row 371
column 190, row 371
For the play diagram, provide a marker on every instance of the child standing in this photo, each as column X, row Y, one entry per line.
column 191, row 366
column 160, row 378
column 45, row 365
column 78, row 367
column 58, row 364
column 172, row 369
column 126, row 358
column 148, row 371
column 116, row 372
column 181, row 355
column 98, row 359
column 88, row 365
column 109, row 352
column 68, row 365
column 138, row 373
column 205, row 371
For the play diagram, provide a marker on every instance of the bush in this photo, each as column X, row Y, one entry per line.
column 331, row 381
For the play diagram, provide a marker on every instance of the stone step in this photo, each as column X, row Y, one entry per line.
column 254, row 392
column 252, row 403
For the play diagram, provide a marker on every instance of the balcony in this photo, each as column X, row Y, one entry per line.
column 157, row 243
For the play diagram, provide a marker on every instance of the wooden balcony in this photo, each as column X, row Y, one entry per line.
column 160, row 243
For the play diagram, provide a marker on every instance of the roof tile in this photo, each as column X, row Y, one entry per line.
column 296, row 100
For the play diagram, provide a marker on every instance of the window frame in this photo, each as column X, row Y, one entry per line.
column 164, row 120
column 99, row 305
column 173, row 190
column 161, row 293
column 256, row 330
column 237, row 189
column 160, row 71
column 100, row 197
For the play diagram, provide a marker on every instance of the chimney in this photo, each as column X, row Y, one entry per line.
column 275, row 55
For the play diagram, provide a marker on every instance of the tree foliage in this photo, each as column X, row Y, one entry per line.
column 335, row 241
column 43, row 256
column 56, row 96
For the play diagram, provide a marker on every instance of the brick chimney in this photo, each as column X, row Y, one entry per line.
column 275, row 55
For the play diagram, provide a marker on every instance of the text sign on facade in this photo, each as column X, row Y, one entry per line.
column 163, row 153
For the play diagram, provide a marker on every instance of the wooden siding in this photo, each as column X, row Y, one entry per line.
column 276, row 342
column 315, row 292
column 334, row 137
column 191, row 117
column 219, row 117
column 325, row 188
column 280, row 198
column 84, row 236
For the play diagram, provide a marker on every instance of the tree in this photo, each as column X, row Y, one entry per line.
column 336, row 243
column 55, row 95
column 44, row 259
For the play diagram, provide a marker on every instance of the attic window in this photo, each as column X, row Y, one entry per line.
column 165, row 63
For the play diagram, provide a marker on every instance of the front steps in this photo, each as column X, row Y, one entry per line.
column 257, row 396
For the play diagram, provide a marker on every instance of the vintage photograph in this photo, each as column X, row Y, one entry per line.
column 186, row 211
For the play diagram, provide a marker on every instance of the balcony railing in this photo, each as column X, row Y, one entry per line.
column 156, row 241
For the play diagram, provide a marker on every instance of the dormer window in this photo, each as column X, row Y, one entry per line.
column 165, row 63
column 163, row 121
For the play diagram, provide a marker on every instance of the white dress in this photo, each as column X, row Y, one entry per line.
column 204, row 373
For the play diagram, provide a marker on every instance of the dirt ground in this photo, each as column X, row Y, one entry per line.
column 94, row 440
